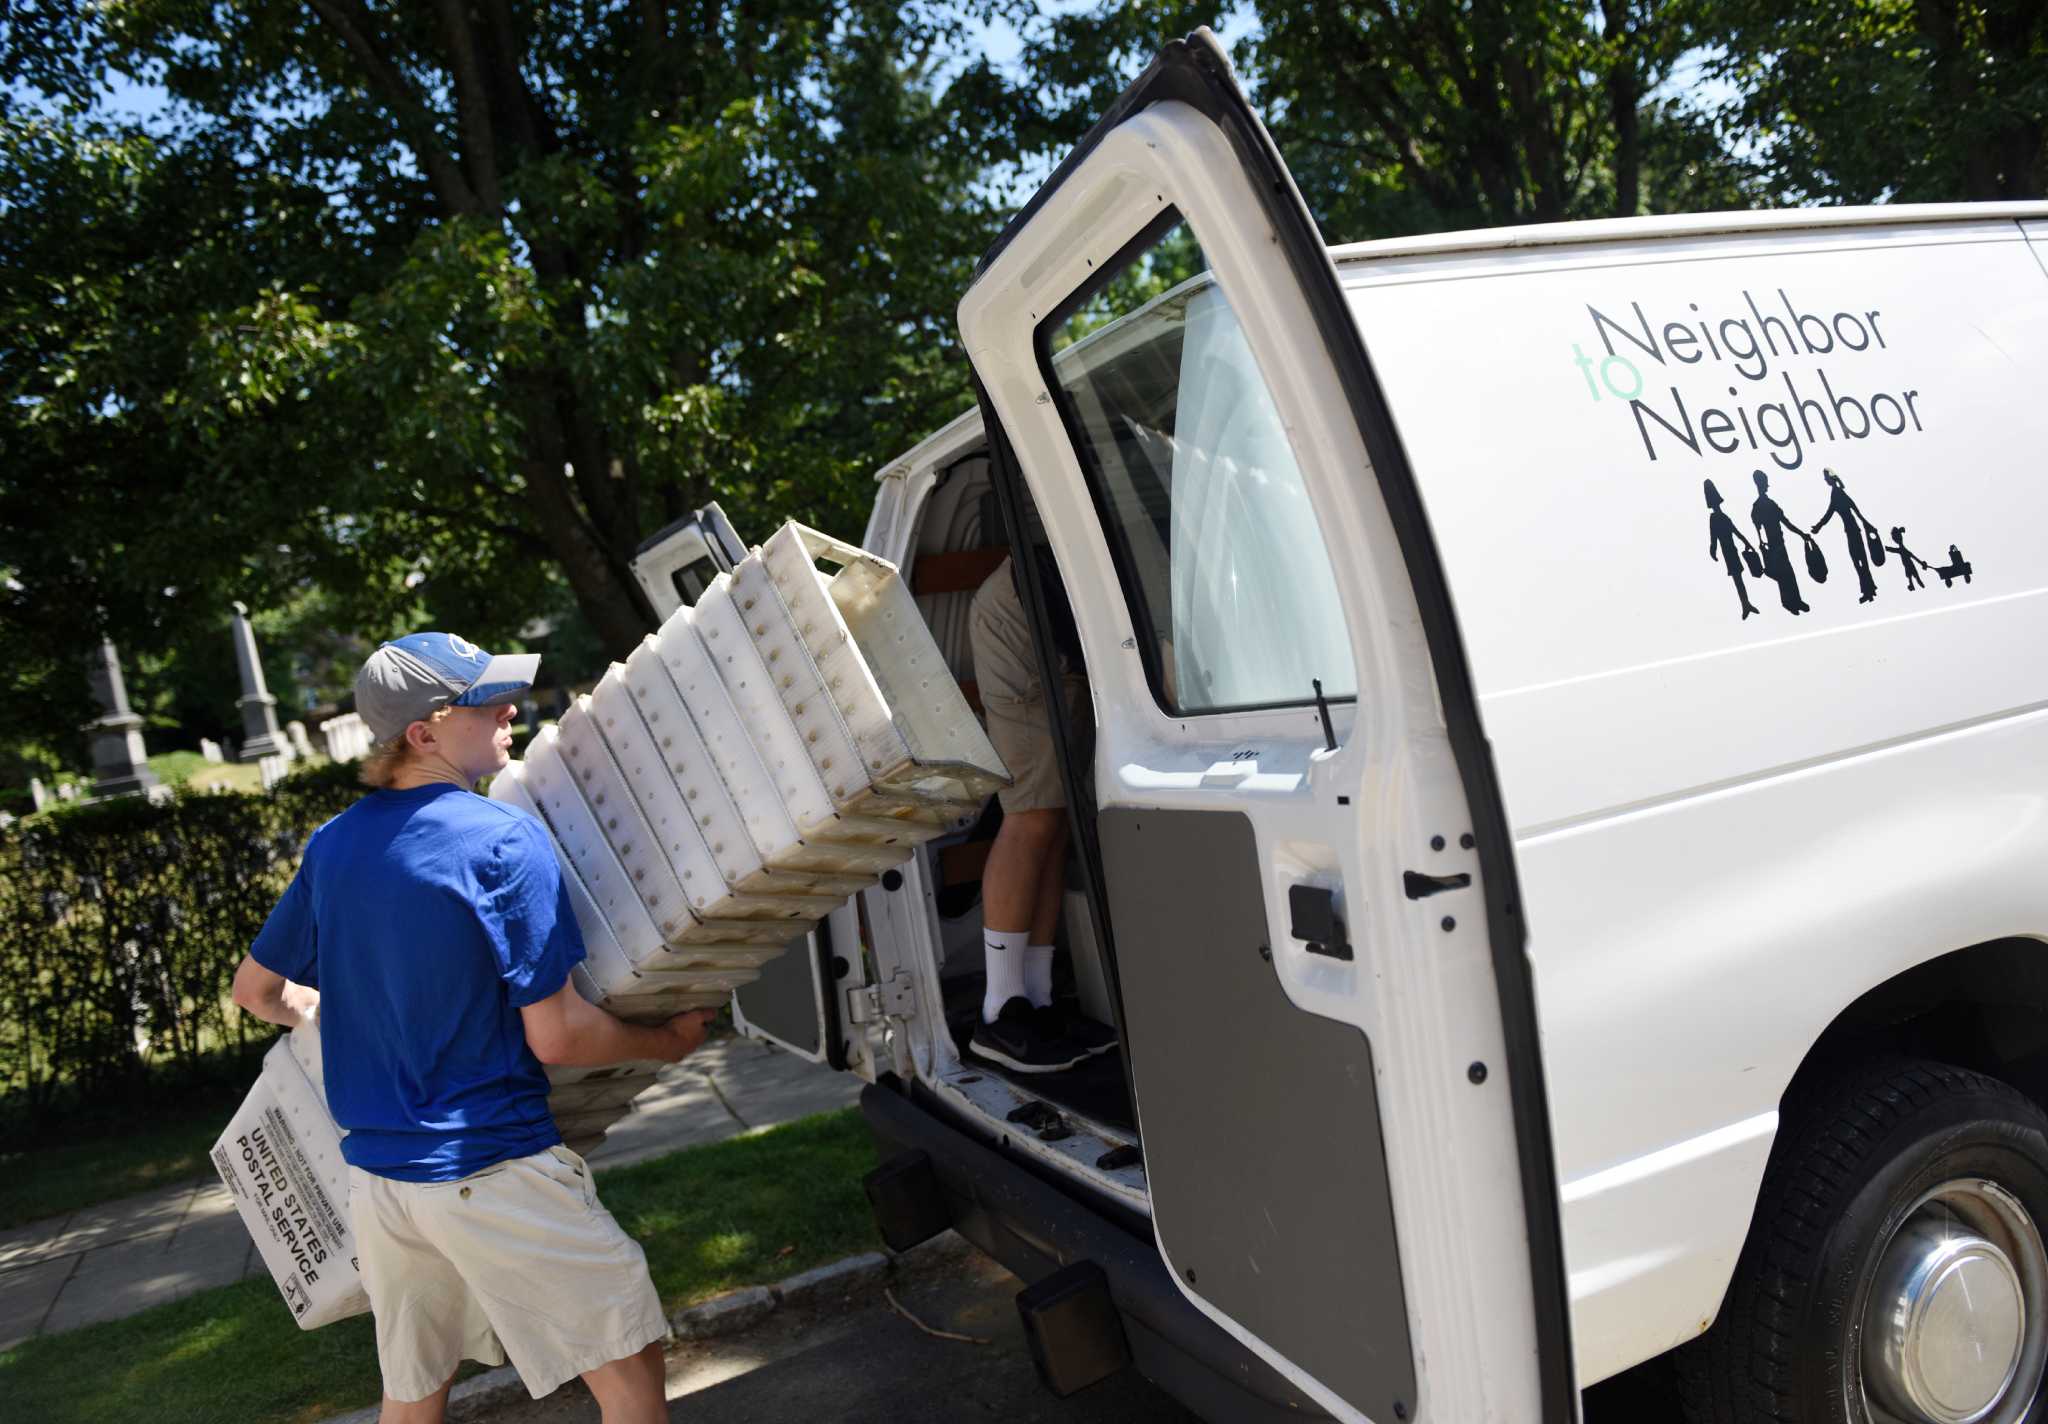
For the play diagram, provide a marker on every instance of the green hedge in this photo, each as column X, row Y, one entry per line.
column 120, row 928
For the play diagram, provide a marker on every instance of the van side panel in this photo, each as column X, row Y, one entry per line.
column 1729, row 825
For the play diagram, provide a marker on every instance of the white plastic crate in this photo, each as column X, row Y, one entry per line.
column 857, row 646
column 608, row 963
column 656, row 744
column 553, row 792
column 749, row 601
column 667, row 968
column 722, row 648
column 597, row 1093
column 652, row 1005
column 792, row 825
column 588, row 1126
column 663, row 868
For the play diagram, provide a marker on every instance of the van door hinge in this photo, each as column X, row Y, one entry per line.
column 893, row 998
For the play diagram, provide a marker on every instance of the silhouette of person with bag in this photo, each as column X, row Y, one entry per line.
column 1908, row 558
column 1771, row 528
column 1721, row 537
column 1861, row 532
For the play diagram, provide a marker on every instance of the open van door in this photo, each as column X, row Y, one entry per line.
column 797, row 1002
column 1300, row 857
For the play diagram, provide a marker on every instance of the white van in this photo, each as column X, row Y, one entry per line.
column 1563, row 822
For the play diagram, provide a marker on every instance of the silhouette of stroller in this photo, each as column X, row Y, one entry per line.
column 1957, row 567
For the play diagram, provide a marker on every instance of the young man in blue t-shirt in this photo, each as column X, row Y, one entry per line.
column 429, row 929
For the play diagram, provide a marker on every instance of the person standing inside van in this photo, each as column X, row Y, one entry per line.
column 1023, row 883
column 429, row 930
column 1771, row 528
column 1856, row 527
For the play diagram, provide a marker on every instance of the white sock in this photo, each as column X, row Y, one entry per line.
column 1038, row 974
column 1005, row 953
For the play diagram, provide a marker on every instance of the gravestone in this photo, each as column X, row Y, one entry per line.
column 348, row 737
column 273, row 769
column 209, row 749
column 260, row 735
column 38, row 793
column 302, row 745
column 119, row 762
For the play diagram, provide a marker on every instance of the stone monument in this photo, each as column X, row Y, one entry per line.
column 301, row 743
column 260, row 734
column 119, row 763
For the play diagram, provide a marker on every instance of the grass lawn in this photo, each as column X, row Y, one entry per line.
column 170, row 1146
column 735, row 1213
column 190, row 768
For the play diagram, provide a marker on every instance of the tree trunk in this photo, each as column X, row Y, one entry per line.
column 1624, row 107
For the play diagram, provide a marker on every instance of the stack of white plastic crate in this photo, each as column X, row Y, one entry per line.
column 762, row 757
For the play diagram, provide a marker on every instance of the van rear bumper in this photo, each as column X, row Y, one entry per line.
column 1033, row 1228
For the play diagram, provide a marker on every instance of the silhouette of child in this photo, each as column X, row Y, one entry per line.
column 1721, row 537
column 1855, row 526
column 1908, row 558
column 1771, row 527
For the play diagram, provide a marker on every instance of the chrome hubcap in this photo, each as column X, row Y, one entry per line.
column 1956, row 1329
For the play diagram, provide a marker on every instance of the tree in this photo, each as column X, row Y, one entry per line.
column 1402, row 116
column 447, row 305
column 1864, row 101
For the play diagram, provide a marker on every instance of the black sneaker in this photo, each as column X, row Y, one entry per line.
column 1017, row 1041
column 1062, row 1020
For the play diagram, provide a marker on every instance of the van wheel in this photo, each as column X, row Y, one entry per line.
column 1895, row 1272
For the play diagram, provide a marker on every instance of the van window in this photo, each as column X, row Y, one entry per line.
column 1218, row 548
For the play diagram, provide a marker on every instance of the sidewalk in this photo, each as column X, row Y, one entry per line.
column 120, row 1257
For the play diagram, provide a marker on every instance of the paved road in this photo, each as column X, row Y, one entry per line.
column 860, row 1361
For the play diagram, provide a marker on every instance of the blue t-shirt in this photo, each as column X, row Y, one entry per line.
column 426, row 918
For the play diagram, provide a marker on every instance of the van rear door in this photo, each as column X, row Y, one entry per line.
column 1302, row 859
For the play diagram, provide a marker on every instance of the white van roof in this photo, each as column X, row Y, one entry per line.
column 1680, row 225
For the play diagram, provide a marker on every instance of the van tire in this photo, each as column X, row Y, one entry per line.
column 1855, row 1151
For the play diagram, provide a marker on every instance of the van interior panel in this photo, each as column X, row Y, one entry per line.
column 1278, row 1231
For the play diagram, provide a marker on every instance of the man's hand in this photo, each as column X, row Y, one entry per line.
column 686, row 1032
column 566, row 1030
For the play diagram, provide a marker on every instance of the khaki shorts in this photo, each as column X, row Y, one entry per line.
column 517, row 1259
column 1013, row 695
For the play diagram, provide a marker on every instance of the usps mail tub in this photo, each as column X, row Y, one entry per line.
column 281, row 1161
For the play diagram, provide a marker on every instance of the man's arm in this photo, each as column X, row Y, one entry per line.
column 272, row 997
column 568, row 1030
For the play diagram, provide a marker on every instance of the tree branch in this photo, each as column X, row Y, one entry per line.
column 472, row 104
column 350, row 23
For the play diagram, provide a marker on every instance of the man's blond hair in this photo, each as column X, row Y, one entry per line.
column 387, row 759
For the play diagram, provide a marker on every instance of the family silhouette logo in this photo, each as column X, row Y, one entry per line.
column 1769, row 557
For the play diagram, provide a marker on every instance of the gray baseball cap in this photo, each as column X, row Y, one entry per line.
column 410, row 679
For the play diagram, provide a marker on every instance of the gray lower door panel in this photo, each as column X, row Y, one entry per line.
column 1260, row 1122
column 783, row 1002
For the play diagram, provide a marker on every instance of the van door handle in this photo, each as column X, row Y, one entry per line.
column 1421, row 887
column 1312, row 916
